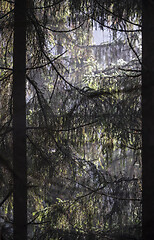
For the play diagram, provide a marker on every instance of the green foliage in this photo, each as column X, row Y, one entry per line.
column 83, row 121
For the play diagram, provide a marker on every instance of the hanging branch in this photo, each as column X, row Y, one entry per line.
column 62, row 31
column 116, row 15
column 36, row 24
column 48, row 63
column 131, row 46
column 110, row 27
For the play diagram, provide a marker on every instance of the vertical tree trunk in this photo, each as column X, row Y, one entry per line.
column 19, row 122
column 148, row 119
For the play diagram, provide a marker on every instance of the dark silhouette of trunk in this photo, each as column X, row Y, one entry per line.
column 19, row 122
column 148, row 119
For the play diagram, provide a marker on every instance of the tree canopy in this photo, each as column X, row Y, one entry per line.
column 83, row 119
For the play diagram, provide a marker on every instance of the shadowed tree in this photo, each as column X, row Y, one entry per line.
column 148, row 119
column 19, row 122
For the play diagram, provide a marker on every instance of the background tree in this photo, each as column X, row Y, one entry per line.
column 80, row 126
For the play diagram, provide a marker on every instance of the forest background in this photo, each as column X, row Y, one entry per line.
column 80, row 175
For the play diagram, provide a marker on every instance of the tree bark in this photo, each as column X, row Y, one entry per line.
column 148, row 119
column 19, row 122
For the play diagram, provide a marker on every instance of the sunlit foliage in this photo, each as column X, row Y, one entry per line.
column 83, row 119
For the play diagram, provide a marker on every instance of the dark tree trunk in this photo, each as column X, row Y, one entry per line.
column 148, row 119
column 19, row 122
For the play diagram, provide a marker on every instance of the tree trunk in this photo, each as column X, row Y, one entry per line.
column 148, row 119
column 19, row 122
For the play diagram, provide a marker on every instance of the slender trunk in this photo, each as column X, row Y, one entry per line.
column 148, row 119
column 19, row 122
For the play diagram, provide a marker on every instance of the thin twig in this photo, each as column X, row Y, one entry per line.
column 6, row 14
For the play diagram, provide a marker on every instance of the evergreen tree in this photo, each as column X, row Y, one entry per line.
column 66, row 118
